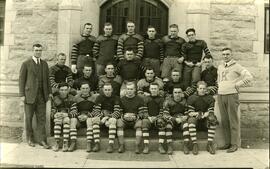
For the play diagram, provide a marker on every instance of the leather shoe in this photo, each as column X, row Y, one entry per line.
column 45, row 145
column 226, row 146
column 31, row 143
column 233, row 148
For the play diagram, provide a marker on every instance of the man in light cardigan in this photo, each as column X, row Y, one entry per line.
column 231, row 76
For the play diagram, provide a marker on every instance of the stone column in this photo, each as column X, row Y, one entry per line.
column 198, row 18
column 68, row 25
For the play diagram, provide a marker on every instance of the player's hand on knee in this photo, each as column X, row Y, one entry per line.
column 205, row 115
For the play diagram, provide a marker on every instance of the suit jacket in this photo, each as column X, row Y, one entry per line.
column 28, row 80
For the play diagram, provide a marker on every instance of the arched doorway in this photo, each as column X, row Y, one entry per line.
column 142, row 12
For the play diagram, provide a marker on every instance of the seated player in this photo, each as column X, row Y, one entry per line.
column 154, row 104
column 86, row 116
column 130, row 69
column 112, row 78
column 89, row 77
column 133, row 114
column 175, row 114
column 143, row 84
column 63, row 108
column 201, row 109
column 60, row 73
column 108, row 105
column 174, row 80
column 208, row 75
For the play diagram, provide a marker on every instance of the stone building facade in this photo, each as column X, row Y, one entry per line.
column 56, row 24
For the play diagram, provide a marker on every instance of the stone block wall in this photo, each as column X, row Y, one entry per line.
column 255, row 121
column 28, row 22
column 235, row 24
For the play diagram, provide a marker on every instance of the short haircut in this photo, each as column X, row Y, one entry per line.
column 177, row 87
column 109, row 63
column 63, row 84
column 129, row 49
column 175, row 70
column 226, row 48
column 37, row 45
column 154, row 84
column 87, row 65
column 107, row 24
column 173, row 26
column 150, row 26
column 190, row 30
column 87, row 24
column 129, row 21
column 131, row 83
column 61, row 54
column 208, row 57
column 83, row 83
column 201, row 83
column 149, row 68
column 106, row 84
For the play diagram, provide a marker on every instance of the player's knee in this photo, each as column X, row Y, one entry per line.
column 66, row 120
column 73, row 122
column 146, row 123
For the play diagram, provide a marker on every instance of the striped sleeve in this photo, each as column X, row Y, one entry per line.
column 116, row 111
column 69, row 77
column 206, row 49
column 161, row 52
column 120, row 48
column 140, row 48
column 140, row 86
column 166, row 110
column 190, row 90
column 73, row 113
column 52, row 77
column 96, row 48
column 212, row 89
column 211, row 105
column 184, row 51
column 97, row 110
column 74, row 54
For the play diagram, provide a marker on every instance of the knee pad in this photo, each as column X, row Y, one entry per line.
column 146, row 123
column 73, row 122
column 138, row 124
column 192, row 120
column 120, row 123
column 169, row 126
column 96, row 120
column 112, row 121
column 66, row 120
column 212, row 120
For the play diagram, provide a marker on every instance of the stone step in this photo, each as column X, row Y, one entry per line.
column 130, row 143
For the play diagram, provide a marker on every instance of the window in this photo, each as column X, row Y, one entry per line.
column 142, row 12
column 266, row 29
column 2, row 21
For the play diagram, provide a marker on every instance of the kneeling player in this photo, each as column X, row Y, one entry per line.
column 109, row 106
column 201, row 109
column 85, row 104
column 175, row 114
column 154, row 104
column 133, row 113
column 63, row 108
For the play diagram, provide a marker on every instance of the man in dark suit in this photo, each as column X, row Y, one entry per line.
column 35, row 90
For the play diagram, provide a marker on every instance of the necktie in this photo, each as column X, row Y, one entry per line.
column 38, row 61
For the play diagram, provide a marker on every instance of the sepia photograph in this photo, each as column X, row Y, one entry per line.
column 134, row 84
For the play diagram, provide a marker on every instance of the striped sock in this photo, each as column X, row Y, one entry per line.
column 168, row 135
column 73, row 134
column 89, row 134
column 161, row 136
column 211, row 133
column 193, row 132
column 57, row 130
column 96, row 133
column 185, row 132
column 112, row 133
column 145, row 134
column 66, row 132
